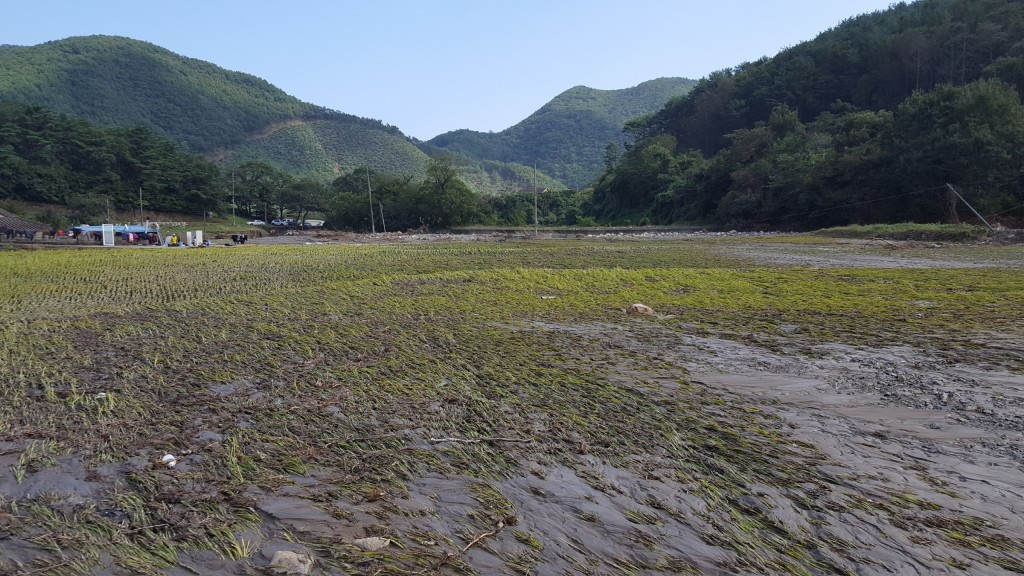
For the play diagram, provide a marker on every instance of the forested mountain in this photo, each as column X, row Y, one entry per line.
column 568, row 136
column 89, row 122
column 228, row 116
column 875, row 115
column 122, row 82
column 53, row 159
column 867, row 122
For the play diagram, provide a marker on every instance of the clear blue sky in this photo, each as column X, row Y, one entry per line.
column 430, row 66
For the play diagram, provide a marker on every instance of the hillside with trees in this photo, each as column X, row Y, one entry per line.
column 81, row 172
column 52, row 158
column 568, row 137
column 229, row 117
column 865, row 123
column 315, row 148
column 118, row 81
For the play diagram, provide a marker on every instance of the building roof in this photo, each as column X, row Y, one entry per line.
column 8, row 220
column 136, row 228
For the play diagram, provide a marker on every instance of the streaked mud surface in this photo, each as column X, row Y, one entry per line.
column 491, row 408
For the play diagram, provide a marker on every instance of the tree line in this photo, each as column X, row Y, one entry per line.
column 52, row 158
column 55, row 159
column 866, row 123
column 368, row 200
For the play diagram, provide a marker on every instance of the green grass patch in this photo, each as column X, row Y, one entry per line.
column 909, row 231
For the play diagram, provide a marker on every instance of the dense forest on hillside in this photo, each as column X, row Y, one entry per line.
column 88, row 170
column 567, row 137
column 117, row 81
column 323, row 149
column 121, row 82
column 52, row 158
column 495, row 177
column 874, row 116
column 230, row 117
column 869, row 122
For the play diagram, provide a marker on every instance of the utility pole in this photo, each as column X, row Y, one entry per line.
column 536, row 225
column 980, row 217
column 373, row 226
column 382, row 222
column 140, row 205
column 233, row 222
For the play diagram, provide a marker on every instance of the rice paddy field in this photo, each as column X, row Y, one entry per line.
column 796, row 405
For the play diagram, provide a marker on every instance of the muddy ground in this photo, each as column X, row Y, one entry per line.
column 918, row 457
column 896, row 418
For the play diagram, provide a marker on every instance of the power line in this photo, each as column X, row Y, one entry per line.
column 845, row 205
column 1007, row 210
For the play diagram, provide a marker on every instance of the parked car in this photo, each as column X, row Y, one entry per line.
column 282, row 222
column 256, row 223
column 313, row 223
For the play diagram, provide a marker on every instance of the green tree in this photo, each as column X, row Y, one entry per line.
column 445, row 200
column 87, row 209
column 646, row 170
column 396, row 201
column 346, row 211
column 302, row 196
column 257, row 187
column 48, row 157
column 971, row 136
column 611, row 155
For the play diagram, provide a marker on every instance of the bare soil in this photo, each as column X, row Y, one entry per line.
column 891, row 420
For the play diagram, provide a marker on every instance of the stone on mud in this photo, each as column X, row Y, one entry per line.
column 372, row 544
column 638, row 308
column 290, row 563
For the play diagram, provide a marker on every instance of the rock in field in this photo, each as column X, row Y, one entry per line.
column 372, row 544
column 290, row 563
column 641, row 309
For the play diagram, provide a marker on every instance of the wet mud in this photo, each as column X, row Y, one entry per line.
column 884, row 460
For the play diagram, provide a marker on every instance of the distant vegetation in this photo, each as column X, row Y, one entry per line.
column 567, row 137
column 121, row 82
column 908, row 231
column 91, row 171
column 265, row 141
column 866, row 123
column 442, row 200
column 322, row 148
column 52, row 158
column 230, row 117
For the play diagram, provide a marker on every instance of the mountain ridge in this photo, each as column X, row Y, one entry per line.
column 601, row 113
column 222, row 114
column 232, row 117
